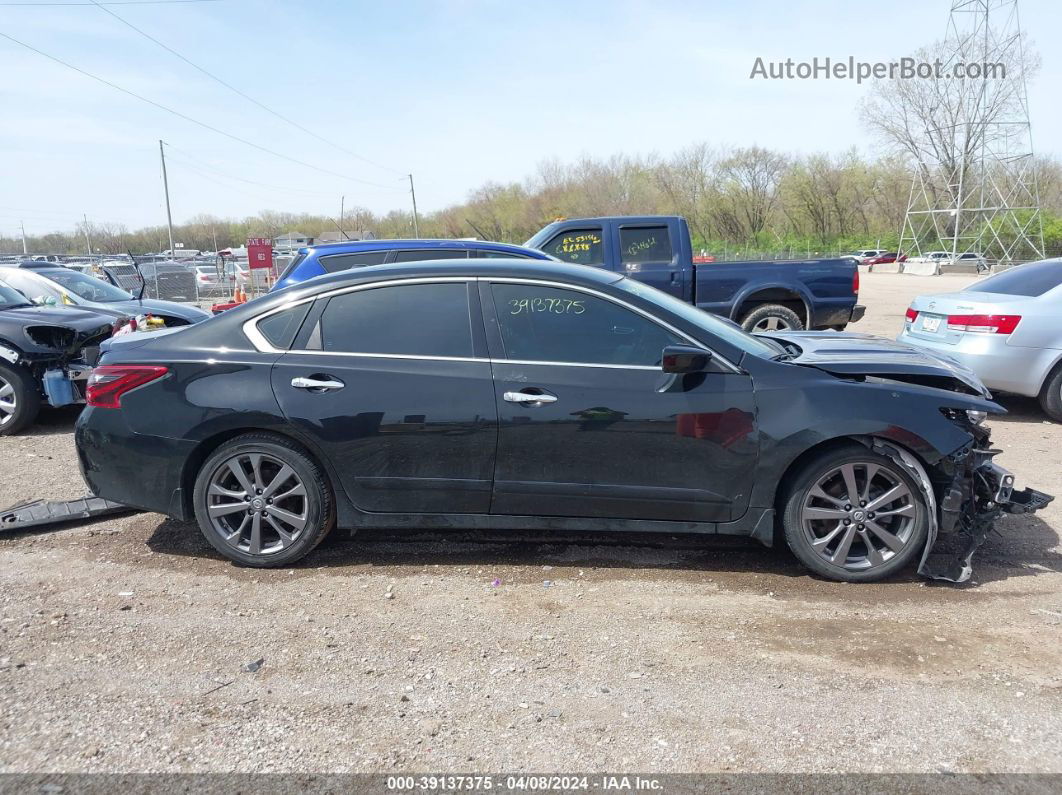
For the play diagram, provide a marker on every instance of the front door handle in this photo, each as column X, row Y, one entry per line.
column 324, row 384
column 528, row 397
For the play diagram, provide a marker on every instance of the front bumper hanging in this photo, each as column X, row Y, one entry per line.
column 974, row 493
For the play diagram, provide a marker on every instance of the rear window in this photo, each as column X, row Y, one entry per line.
column 1030, row 280
column 292, row 266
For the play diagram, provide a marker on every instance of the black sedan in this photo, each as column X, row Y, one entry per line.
column 510, row 394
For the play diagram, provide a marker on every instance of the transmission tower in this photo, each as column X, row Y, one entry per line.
column 975, row 188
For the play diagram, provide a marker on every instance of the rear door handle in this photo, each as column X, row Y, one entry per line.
column 527, row 397
column 324, row 384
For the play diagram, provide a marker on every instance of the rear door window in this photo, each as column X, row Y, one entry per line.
column 581, row 246
column 342, row 262
column 405, row 320
column 422, row 254
column 642, row 244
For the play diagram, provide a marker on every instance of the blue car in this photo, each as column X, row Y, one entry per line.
column 333, row 257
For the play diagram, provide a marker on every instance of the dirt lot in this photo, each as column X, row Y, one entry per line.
column 123, row 644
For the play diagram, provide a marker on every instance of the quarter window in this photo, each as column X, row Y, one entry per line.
column 645, row 244
column 280, row 329
column 551, row 324
column 582, row 246
column 409, row 320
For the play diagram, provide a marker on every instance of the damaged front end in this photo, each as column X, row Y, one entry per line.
column 967, row 492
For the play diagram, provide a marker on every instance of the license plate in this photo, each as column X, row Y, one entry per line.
column 930, row 323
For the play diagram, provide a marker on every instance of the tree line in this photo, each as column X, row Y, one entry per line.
column 738, row 200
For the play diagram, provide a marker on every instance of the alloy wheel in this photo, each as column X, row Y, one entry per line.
column 772, row 323
column 8, row 401
column 257, row 504
column 859, row 515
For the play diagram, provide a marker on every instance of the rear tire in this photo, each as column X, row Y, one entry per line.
column 841, row 523
column 20, row 399
column 261, row 501
column 772, row 317
column 1051, row 395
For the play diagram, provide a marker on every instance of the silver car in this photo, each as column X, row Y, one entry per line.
column 1006, row 328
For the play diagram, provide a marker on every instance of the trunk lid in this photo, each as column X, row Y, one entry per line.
column 933, row 311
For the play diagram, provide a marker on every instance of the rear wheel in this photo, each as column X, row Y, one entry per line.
column 855, row 516
column 261, row 501
column 772, row 317
column 20, row 400
column 1051, row 395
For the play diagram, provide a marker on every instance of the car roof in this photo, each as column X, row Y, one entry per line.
column 470, row 268
column 345, row 246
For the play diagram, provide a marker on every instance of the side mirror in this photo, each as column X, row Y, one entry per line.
column 685, row 359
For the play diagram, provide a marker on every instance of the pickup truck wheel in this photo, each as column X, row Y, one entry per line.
column 1051, row 396
column 772, row 317
column 20, row 400
column 854, row 516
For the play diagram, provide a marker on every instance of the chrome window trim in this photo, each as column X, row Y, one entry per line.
column 262, row 345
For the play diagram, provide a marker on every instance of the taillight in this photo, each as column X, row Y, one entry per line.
column 984, row 324
column 109, row 382
column 912, row 315
column 855, row 282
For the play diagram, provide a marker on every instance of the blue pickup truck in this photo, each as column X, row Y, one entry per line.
column 761, row 296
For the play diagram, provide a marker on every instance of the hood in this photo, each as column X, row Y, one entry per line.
column 866, row 355
column 43, row 330
column 151, row 306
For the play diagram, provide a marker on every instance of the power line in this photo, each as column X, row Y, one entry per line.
column 195, row 121
column 202, row 164
column 237, row 91
column 117, row 3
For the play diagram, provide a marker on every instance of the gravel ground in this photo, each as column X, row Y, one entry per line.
column 125, row 644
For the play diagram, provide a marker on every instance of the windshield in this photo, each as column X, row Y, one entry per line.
column 1030, row 280
column 713, row 324
column 87, row 287
column 12, row 297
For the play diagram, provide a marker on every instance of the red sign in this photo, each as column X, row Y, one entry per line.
column 259, row 252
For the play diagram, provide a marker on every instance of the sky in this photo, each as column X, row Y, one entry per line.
column 457, row 92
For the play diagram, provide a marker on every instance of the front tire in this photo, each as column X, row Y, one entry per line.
column 772, row 317
column 20, row 400
column 1051, row 395
column 261, row 501
column 854, row 516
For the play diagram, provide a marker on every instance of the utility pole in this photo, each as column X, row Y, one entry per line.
column 342, row 206
column 84, row 228
column 166, row 187
column 25, row 250
column 413, row 193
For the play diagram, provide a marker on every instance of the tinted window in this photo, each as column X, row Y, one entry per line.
column 280, row 329
column 1033, row 279
column 577, row 245
column 550, row 324
column 421, row 254
column 342, row 262
column 414, row 320
column 645, row 244
column 482, row 252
